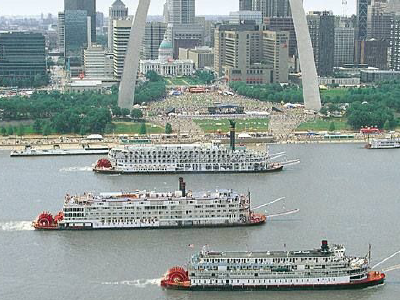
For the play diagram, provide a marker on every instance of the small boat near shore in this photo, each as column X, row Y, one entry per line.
column 149, row 209
column 325, row 268
column 387, row 143
column 57, row 151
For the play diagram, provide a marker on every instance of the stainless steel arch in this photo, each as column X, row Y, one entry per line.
column 132, row 57
column 312, row 98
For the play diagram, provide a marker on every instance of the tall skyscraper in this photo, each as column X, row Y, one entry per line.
column 117, row 11
column 183, row 31
column 272, row 8
column 22, row 56
column 322, row 33
column 181, row 11
column 85, row 5
column 344, row 42
column 76, row 36
column 362, row 19
column 121, row 31
column 153, row 37
column 61, row 32
column 245, row 4
column 326, row 44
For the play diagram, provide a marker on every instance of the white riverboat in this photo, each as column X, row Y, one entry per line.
column 145, row 209
column 190, row 158
column 325, row 268
column 387, row 143
column 58, row 151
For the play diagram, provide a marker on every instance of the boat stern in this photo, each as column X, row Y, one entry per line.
column 46, row 221
column 176, row 278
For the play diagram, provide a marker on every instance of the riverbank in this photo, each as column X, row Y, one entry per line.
column 75, row 142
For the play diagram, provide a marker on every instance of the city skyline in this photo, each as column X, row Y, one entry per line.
column 203, row 7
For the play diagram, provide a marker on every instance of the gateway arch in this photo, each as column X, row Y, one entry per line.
column 311, row 95
column 132, row 57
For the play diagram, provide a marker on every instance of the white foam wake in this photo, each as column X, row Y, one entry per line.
column 76, row 169
column 386, row 259
column 140, row 283
column 16, row 226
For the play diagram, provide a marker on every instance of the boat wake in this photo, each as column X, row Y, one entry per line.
column 76, row 169
column 140, row 283
column 16, row 226
column 386, row 259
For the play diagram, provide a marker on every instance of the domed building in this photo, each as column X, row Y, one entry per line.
column 166, row 51
column 165, row 65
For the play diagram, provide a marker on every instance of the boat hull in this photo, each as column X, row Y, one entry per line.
column 114, row 171
column 374, row 279
column 149, row 227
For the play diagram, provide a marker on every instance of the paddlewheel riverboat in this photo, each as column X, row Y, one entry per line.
column 325, row 268
column 146, row 209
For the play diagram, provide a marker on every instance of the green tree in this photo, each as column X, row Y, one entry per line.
column 46, row 129
column 109, row 128
column 332, row 126
column 37, row 126
column 10, row 130
column 136, row 113
column 20, row 130
column 125, row 112
column 143, row 129
column 3, row 131
column 168, row 128
column 153, row 76
column 386, row 126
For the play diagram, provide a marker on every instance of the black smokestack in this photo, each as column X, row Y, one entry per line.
column 180, row 183
column 232, row 134
column 183, row 189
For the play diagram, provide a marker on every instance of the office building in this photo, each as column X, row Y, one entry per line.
column 245, row 16
column 182, row 30
column 98, row 63
column 202, row 57
column 121, row 33
column 61, row 32
column 245, row 4
column 153, row 37
column 89, row 6
column 117, row 11
column 322, row 33
column 22, row 56
column 251, row 54
column 374, row 53
column 344, row 42
column 272, row 8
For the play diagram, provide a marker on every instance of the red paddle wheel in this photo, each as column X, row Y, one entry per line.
column 45, row 219
column 58, row 217
column 103, row 163
column 175, row 276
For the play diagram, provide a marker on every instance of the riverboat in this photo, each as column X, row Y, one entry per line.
column 57, row 151
column 327, row 267
column 145, row 209
column 388, row 143
column 190, row 158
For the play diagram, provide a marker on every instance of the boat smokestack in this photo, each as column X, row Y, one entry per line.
column 232, row 134
column 182, row 186
column 180, row 183
column 324, row 245
column 183, row 189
